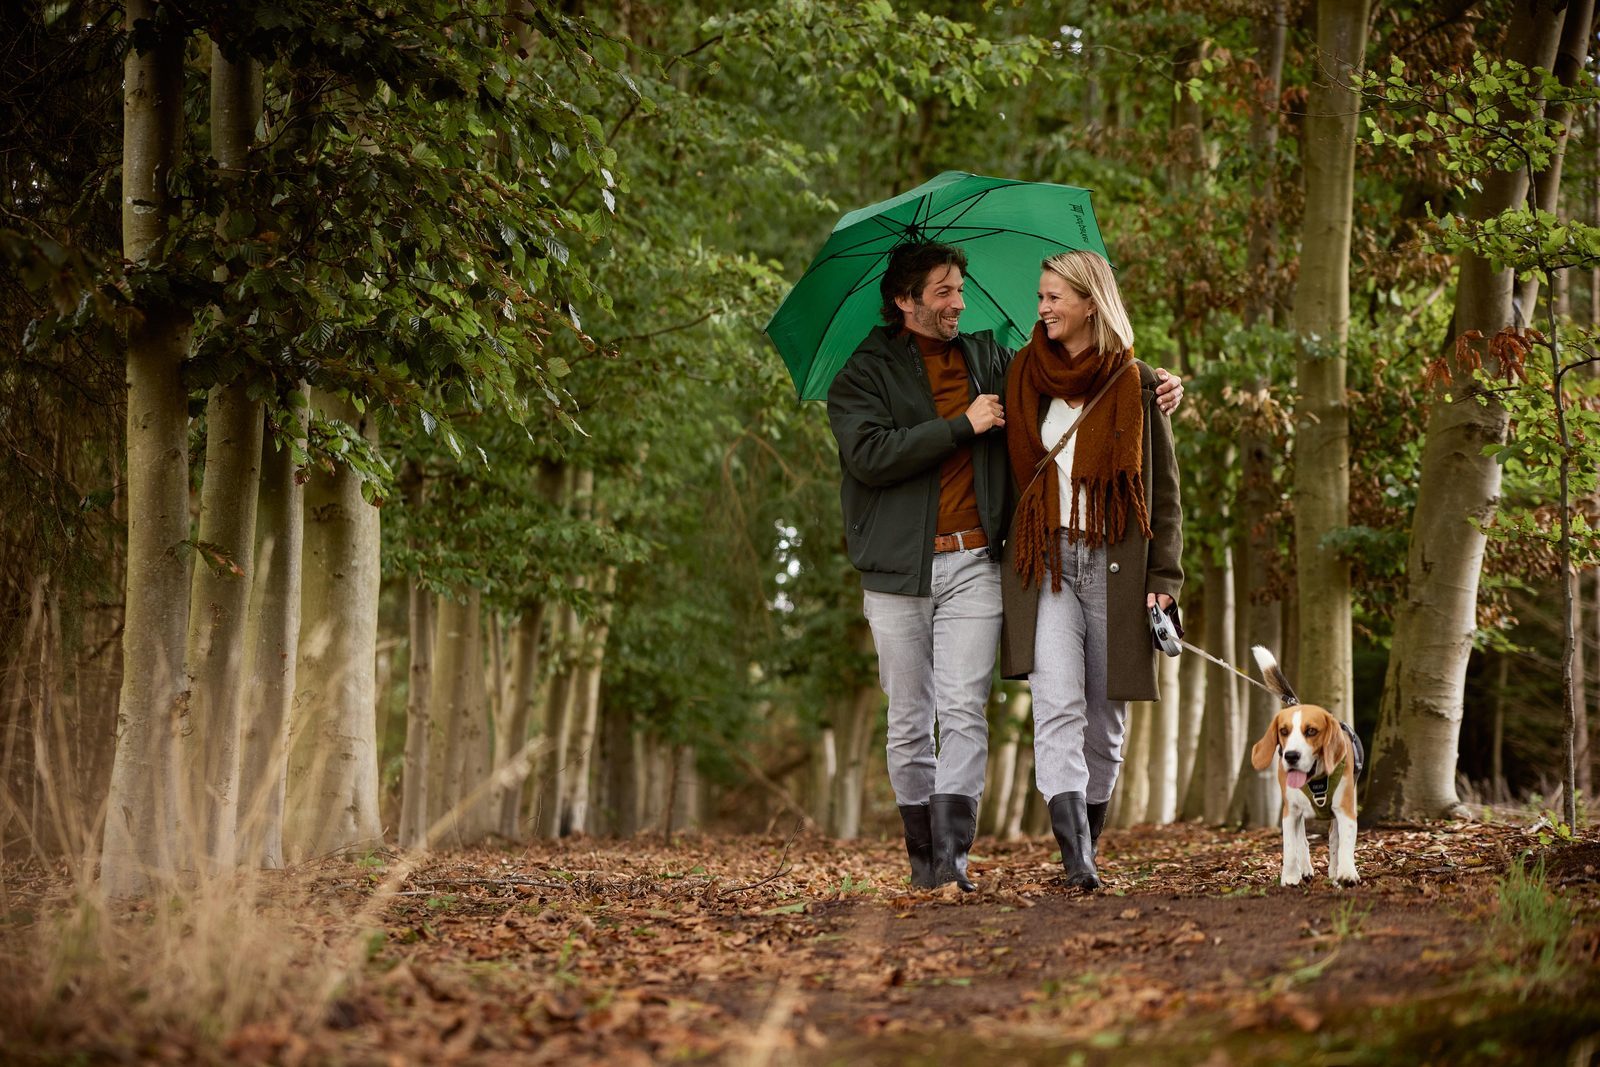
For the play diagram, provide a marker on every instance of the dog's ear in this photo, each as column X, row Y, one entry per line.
column 1337, row 746
column 1262, row 751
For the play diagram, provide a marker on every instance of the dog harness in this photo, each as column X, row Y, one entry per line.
column 1318, row 790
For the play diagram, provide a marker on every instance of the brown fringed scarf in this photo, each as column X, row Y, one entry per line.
column 1106, row 462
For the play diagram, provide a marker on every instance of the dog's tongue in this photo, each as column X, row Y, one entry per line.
column 1296, row 779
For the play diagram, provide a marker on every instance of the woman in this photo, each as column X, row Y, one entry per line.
column 1096, row 538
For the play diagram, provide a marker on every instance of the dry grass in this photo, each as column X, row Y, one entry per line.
column 190, row 968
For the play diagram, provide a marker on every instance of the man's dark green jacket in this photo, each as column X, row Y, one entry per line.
column 891, row 445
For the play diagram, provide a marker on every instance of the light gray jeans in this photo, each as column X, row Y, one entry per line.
column 935, row 663
column 1077, row 732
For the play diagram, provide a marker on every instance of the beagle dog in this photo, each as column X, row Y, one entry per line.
column 1319, row 760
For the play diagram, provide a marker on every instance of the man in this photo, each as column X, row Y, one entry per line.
column 917, row 415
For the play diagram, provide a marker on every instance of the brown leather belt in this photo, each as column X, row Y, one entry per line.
column 964, row 539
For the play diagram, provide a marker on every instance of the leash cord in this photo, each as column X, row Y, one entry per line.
column 1225, row 665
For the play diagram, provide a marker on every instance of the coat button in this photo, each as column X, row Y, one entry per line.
column 1114, row 568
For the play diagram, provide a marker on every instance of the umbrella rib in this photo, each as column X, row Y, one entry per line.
column 839, row 306
column 968, row 202
column 997, row 305
column 852, row 252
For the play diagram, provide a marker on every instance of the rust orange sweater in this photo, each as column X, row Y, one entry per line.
column 947, row 375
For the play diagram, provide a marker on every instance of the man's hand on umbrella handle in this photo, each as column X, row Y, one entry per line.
column 986, row 413
column 1169, row 391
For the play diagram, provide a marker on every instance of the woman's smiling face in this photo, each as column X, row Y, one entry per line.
column 1067, row 314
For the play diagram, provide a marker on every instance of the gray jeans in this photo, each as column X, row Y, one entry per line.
column 935, row 663
column 1077, row 732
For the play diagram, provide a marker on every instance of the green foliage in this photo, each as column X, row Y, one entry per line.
column 1490, row 117
column 1493, row 115
column 1534, row 925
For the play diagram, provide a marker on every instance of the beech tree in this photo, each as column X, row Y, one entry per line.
column 1321, row 321
column 143, row 803
column 1414, row 752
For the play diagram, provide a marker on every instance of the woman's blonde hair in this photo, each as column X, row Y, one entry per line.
column 1090, row 275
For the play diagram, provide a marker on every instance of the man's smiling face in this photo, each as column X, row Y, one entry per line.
column 936, row 311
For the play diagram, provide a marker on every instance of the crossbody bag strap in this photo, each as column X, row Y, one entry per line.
column 1050, row 457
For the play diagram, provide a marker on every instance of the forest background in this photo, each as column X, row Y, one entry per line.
column 390, row 447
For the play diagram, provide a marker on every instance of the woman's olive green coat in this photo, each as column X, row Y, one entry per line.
column 1134, row 567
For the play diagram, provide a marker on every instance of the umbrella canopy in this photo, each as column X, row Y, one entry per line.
column 1006, row 227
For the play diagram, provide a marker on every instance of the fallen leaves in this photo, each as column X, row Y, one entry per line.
column 631, row 952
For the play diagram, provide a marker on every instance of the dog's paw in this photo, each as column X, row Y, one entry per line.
column 1291, row 879
column 1347, row 878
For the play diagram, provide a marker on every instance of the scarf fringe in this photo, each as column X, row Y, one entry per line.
column 1039, row 539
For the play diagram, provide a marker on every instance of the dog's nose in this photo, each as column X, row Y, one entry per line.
column 1291, row 758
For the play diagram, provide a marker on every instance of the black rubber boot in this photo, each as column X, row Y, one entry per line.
column 1097, row 822
column 1069, row 818
column 919, row 844
column 954, row 820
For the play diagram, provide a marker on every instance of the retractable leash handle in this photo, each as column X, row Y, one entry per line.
column 1166, row 637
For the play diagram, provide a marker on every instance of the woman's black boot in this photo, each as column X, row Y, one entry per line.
column 1069, row 818
column 1097, row 822
column 954, row 820
column 919, row 844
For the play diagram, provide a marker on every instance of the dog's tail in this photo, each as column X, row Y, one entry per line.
column 1274, row 675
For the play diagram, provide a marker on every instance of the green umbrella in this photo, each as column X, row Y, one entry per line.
column 1005, row 226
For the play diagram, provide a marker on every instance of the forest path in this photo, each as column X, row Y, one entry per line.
column 631, row 951
column 802, row 950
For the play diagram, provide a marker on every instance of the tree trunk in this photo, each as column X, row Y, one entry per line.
column 274, row 651
column 1220, row 741
column 414, row 774
column 552, row 767
column 827, row 769
column 499, row 677
column 1580, row 691
column 333, row 738
column 587, row 715
column 1255, row 794
column 1419, row 719
column 1191, row 697
column 1253, row 803
column 1322, row 323
column 622, row 793
column 657, row 771
column 1572, row 53
column 217, row 647
column 218, row 618
column 856, row 724
column 1261, row 255
column 28, row 781
column 1571, row 58
column 1163, row 753
column 525, row 689
column 1007, row 728
column 478, row 814
column 1588, row 739
column 684, row 809
column 1188, row 159
column 565, row 641
column 1132, row 798
column 138, row 851
column 457, row 658
column 1022, row 787
column 1497, row 744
